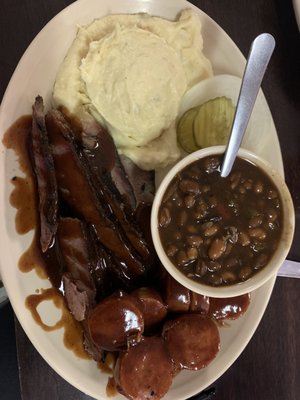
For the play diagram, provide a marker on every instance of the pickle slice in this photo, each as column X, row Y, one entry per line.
column 185, row 131
column 213, row 122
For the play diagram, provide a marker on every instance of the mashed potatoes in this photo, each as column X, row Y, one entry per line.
column 130, row 72
column 135, row 80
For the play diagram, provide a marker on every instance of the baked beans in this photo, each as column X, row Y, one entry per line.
column 216, row 230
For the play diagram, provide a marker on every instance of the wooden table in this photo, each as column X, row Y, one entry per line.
column 269, row 367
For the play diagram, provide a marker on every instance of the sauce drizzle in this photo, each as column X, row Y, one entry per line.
column 72, row 330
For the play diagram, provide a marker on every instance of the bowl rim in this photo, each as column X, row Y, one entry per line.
column 280, row 253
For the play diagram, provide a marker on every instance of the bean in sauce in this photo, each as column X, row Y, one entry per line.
column 231, row 226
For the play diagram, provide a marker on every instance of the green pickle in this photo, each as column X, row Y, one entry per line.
column 208, row 124
column 185, row 131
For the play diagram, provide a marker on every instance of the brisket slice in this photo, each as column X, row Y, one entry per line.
column 77, row 189
column 43, row 167
column 76, row 296
column 143, row 182
column 128, row 186
column 102, row 154
column 98, row 152
column 107, row 273
column 79, row 288
column 107, row 193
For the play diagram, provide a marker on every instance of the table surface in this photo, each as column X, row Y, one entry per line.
column 269, row 367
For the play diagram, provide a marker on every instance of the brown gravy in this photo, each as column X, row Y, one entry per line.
column 111, row 389
column 108, row 364
column 72, row 330
column 23, row 194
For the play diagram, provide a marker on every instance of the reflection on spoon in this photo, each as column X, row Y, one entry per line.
column 260, row 53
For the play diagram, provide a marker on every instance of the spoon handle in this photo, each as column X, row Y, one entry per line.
column 260, row 53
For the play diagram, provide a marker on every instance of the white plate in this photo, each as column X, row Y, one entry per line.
column 34, row 75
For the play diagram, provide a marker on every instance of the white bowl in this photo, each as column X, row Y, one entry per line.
column 260, row 277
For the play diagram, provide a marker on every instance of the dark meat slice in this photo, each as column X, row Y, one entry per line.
column 101, row 151
column 107, row 273
column 107, row 173
column 154, row 310
column 108, row 194
column 123, row 184
column 54, row 263
column 79, row 288
column 77, row 297
column 229, row 308
column 91, row 134
column 100, row 265
column 145, row 371
column 71, row 235
column 192, row 341
column 45, row 176
column 104, row 149
column 112, row 184
column 115, row 322
column 143, row 182
column 77, row 190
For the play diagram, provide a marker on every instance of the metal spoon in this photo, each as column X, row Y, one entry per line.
column 259, row 56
